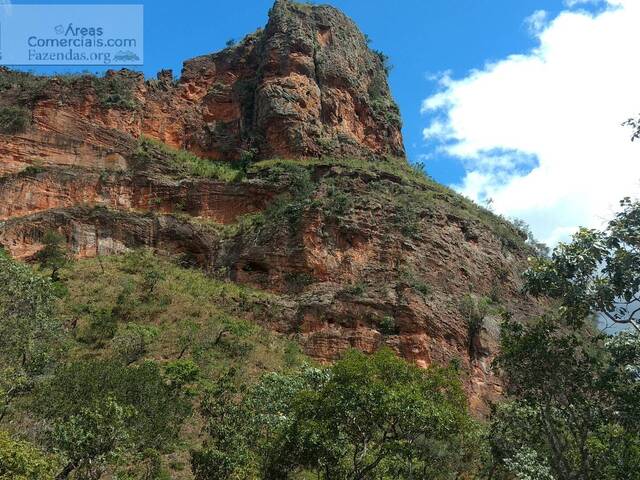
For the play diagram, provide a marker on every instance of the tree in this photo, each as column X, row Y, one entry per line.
column 634, row 123
column 20, row 460
column 574, row 403
column 92, row 438
column 597, row 273
column 364, row 418
column 31, row 336
column 145, row 409
column 53, row 256
column 226, row 453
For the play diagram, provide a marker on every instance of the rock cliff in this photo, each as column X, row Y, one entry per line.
column 277, row 162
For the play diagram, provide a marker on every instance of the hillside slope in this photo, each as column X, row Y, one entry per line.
column 277, row 164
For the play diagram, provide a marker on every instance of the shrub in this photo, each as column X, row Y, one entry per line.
column 90, row 383
column 22, row 87
column 31, row 335
column 388, row 325
column 355, row 289
column 415, row 282
column 115, row 92
column 297, row 281
column 475, row 309
column 93, row 437
column 338, row 203
column 53, row 256
column 384, row 61
column 14, row 120
column 32, row 170
column 132, row 343
column 21, row 460
column 101, row 328
column 311, row 423
column 407, row 216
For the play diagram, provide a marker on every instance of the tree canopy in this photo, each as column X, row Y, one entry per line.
column 597, row 273
column 363, row 418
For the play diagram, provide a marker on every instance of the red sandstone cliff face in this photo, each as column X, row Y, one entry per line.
column 360, row 251
column 306, row 85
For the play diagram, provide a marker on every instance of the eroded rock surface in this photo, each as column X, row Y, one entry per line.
column 360, row 250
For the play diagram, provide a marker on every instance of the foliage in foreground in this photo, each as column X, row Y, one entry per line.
column 575, row 403
column 31, row 337
column 364, row 418
column 20, row 460
column 103, row 366
column 574, row 392
column 598, row 272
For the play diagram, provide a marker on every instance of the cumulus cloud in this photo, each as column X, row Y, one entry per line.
column 540, row 133
column 573, row 3
column 536, row 21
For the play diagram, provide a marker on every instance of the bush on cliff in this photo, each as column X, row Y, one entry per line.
column 14, row 120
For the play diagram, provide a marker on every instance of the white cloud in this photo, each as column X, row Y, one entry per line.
column 536, row 21
column 573, row 3
column 540, row 132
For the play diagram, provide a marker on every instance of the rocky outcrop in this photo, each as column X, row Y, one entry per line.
column 358, row 250
column 35, row 191
column 305, row 86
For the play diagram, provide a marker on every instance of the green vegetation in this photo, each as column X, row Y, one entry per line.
column 597, row 272
column 102, row 410
column 188, row 164
column 475, row 310
column 573, row 405
column 365, row 417
column 147, row 341
column 21, row 460
column 105, row 371
column 53, row 255
column 384, row 61
column 574, row 392
column 116, row 92
column 284, row 214
column 139, row 368
column 24, row 89
column 31, row 338
column 396, row 167
column 388, row 325
column 14, row 120
column 405, row 190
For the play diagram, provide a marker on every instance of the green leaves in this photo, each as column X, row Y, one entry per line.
column 143, row 388
column 20, row 460
column 14, row 120
column 31, row 337
column 575, row 402
column 132, row 343
column 598, row 272
column 94, row 437
column 366, row 417
column 53, row 255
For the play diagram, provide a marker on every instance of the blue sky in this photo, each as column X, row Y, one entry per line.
column 467, row 74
